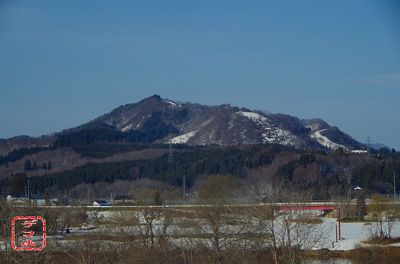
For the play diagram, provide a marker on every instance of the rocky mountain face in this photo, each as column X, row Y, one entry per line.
column 194, row 124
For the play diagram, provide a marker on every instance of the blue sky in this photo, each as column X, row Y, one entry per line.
column 63, row 63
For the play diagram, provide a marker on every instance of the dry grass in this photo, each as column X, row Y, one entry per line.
column 308, row 220
column 369, row 255
column 374, row 255
column 91, row 237
column 382, row 241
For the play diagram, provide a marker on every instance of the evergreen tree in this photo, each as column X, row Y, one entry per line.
column 34, row 166
column 49, row 165
column 18, row 182
column 361, row 208
column 157, row 198
column 27, row 165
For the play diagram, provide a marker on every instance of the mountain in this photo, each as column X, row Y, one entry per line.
column 378, row 146
column 19, row 142
column 155, row 120
column 130, row 143
column 158, row 120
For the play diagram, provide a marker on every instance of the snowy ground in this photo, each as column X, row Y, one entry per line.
column 352, row 235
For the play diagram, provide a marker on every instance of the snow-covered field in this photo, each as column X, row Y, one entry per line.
column 352, row 234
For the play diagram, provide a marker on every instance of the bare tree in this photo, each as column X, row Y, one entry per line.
column 215, row 215
column 384, row 213
column 149, row 224
column 287, row 233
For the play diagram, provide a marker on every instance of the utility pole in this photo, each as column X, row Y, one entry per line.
column 29, row 190
column 170, row 154
column 184, row 187
column 368, row 147
column 394, row 185
column 65, row 199
column 88, row 196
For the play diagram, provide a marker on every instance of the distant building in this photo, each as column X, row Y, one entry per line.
column 359, row 151
column 101, row 203
column 123, row 199
column 36, row 199
column 40, row 200
column 16, row 198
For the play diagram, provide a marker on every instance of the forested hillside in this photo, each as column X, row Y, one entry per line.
column 323, row 174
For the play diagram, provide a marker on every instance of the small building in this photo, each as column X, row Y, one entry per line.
column 359, row 151
column 101, row 203
column 35, row 199
column 124, row 199
column 16, row 198
column 41, row 200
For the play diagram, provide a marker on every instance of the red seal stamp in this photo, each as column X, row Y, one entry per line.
column 28, row 233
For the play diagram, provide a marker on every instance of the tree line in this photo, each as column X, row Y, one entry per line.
column 317, row 172
column 20, row 153
column 186, row 162
column 32, row 166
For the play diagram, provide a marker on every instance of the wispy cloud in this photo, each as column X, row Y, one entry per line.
column 391, row 79
column 18, row 12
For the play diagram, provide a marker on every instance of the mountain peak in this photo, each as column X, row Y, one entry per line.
column 154, row 97
column 165, row 121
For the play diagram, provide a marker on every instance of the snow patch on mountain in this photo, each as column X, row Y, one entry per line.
column 314, row 126
column 172, row 104
column 326, row 142
column 255, row 117
column 182, row 138
column 272, row 133
column 127, row 128
column 280, row 136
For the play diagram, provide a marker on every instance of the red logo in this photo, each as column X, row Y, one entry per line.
column 28, row 233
